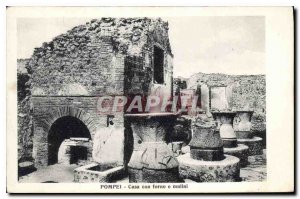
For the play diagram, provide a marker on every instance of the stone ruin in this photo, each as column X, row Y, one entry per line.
column 245, row 135
column 108, row 56
column 206, row 161
column 126, row 56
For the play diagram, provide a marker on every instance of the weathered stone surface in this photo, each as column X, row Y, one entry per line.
column 153, row 155
column 229, row 142
column 176, row 147
column 182, row 130
column 93, row 173
column 255, row 145
column 242, row 120
column 244, row 134
column 248, row 92
column 93, row 57
column 48, row 110
column 105, row 56
column 241, row 151
column 186, row 149
column 178, row 84
column 150, row 152
column 153, row 176
column 205, row 136
column 215, row 154
column 225, row 124
column 226, row 170
column 108, row 146
column 223, row 117
column 219, row 98
column 25, row 142
column 206, row 143
column 65, row 151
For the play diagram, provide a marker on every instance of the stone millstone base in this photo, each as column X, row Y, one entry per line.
column 227, row 170
column 207, row 154
column 244, row 134
column 241, row 151
column 153, row 176
column 229, row 143
column 255, row 145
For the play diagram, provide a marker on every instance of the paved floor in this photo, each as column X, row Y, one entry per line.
column 255, row 171
column 53, row 173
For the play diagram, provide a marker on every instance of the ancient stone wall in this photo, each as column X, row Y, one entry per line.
column 247, row 92
column 70, row 73
column 91, row 57
column 25, row 142
column 140, row 62
column 90, row 71
column 47, row 110
column 178, row 84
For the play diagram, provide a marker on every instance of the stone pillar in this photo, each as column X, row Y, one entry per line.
column 206, row 162
column 245, row 135
column 225, row 126
column 40, row 147
column 228, row 135
column 152, row 161
column 206, row 144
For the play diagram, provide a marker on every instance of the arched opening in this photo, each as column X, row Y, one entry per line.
column 65, row 128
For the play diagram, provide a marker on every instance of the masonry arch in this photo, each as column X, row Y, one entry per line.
column 62, row 129
column 58, row 124
column 59, row 112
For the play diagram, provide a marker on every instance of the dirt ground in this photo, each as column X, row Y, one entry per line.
column 58, row 173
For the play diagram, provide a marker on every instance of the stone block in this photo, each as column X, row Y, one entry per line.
column 226, row 170
column 244, row 134
column 255, row 145
column 153, row 176
column 241, row 151
column 95, row 173
column 229, row 143
column 207, row 154
column 108, row 146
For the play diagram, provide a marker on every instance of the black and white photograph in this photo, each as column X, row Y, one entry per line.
column 158, row 100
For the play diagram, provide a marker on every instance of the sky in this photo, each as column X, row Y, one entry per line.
column 230, row 45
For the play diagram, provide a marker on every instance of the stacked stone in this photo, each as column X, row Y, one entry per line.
column 245, row 135
column 25, row 142
column 229, row 138
column 88, row 55
column 206, row 161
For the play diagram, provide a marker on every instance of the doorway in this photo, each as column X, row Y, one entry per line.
column 62, row 129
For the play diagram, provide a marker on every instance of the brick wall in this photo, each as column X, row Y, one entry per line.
column 48, row 109
column 69, row 73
